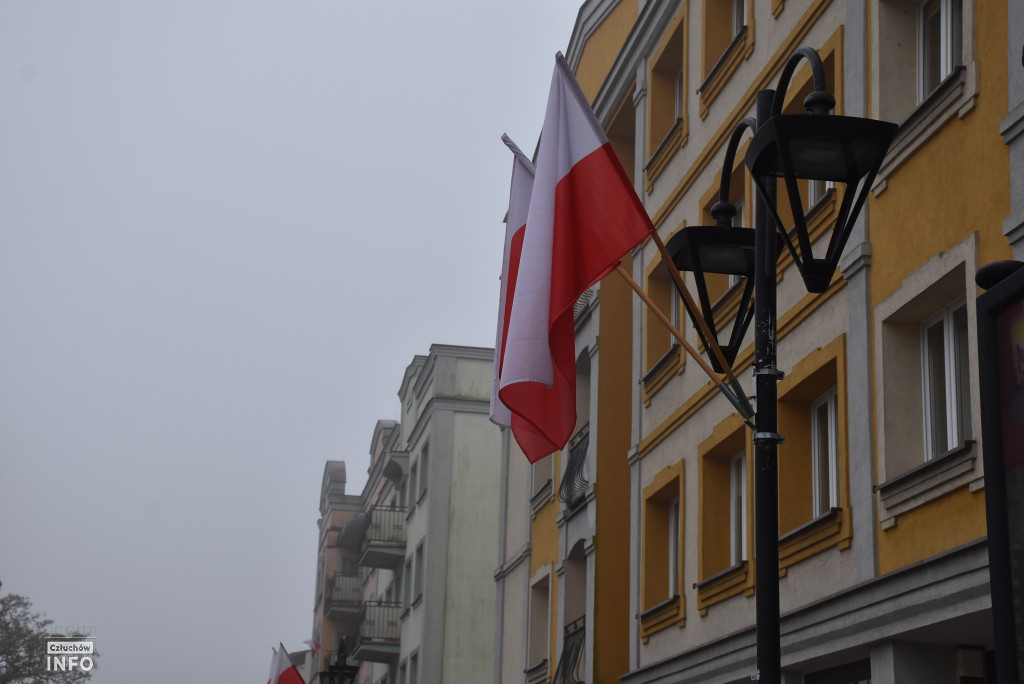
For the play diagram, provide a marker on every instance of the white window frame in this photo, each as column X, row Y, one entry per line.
column 407, row 583
column 679, row 94
column 424, row 470
column 817, row 189
column 419, row 572
column 955, row 384
column 673, row 547
column 950, row 42
column 739, row 16
column 675, row 306
column 829, row 459
column 738, row 507
column 539, row 620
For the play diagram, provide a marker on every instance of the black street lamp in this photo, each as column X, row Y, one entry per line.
column 816, row 146
column 338, row 670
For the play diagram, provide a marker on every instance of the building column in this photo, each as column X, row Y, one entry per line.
column 897, row 662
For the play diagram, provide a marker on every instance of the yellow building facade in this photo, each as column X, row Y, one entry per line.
column 883, row 563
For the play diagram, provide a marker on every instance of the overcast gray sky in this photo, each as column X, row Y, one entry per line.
column 225, row 230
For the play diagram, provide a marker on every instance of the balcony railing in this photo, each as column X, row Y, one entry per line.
column 383, row 537
column 379, row 632
column 345, row 597
column 573, row 490
column 571, row 668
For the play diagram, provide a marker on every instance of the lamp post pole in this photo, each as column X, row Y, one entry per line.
column 814, row 147
column 766, row 437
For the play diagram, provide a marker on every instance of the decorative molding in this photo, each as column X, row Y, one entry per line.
column 952, row 98
column 928, row 481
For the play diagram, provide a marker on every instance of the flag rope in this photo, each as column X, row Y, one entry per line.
column 737, row 400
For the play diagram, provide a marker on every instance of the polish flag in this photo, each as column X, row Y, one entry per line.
column 515, row 226
column 273, row 666
column 584, row 217
column 285, row 672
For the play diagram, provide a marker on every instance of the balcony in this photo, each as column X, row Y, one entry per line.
column 345, row 597
column 571, row 667
column 379, row 632
column 573, row 491
column 383, row 537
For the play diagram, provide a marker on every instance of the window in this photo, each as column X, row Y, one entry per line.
column 662, row 357
column 817, row 189
column 722, row 540
column 939, row 28
column 931, row 73
column 739, row 16
column 727, row 39
column 424, row 470
column 412, row 489
column 539, row 619
column 402, row 674
column 945, row 372
column 813, row 502
column 662, row 552
column 419, row 572
column 824, row 452
column 667, row 102
column 738, row 508
column 673, row 547
column 542, row 486
column 414, row 668
column 407, row 583
column 926, row 408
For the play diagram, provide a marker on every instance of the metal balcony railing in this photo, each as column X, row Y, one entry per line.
column 379, row 632
column 571, row 668
column 385, row 524
column 573, row 489
column 347, row 588
column 380, row 621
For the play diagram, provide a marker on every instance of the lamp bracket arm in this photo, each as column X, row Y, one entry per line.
column 820, row 101
column 718, row 211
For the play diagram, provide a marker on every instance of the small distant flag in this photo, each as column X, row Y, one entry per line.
column 285, row 672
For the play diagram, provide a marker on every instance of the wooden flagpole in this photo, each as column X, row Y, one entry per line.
column 691, row 306
column 729, row 394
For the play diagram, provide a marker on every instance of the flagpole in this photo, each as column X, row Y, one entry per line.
column 738, row 398
column 735, row 401
column 691, row 305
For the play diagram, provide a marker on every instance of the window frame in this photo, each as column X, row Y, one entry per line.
column 950, row 43
column 673, row 546
column 828, row 460
column 955, row 351
column 662, row 601
column 738, row 507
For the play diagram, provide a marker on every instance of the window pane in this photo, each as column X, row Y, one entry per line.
column 931, row 46
column 956, row 28
column 737, row 487
column 822, row 494
column 673, row 548
column 935, row 367
column 961, row 362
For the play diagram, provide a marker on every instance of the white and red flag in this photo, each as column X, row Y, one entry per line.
column 584, row 217
column 284, row 671
column 515, row 227
column 273, row 666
